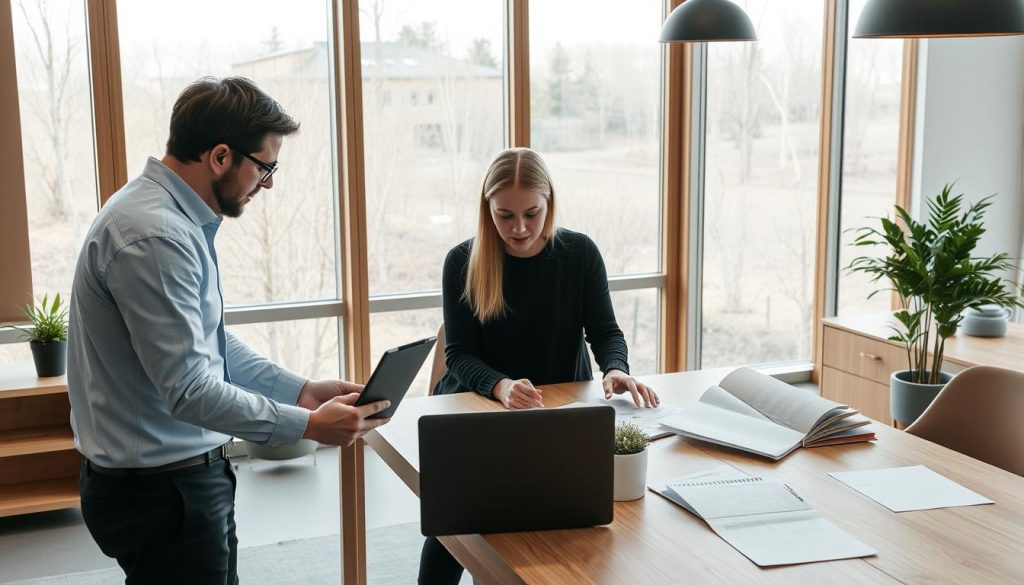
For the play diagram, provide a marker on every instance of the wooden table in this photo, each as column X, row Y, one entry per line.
column 654, row 541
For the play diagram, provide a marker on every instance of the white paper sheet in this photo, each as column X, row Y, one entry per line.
column 789, row 538
column 902, row 489
column 648, row 419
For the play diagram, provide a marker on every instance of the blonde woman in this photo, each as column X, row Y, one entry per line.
column 520, row 299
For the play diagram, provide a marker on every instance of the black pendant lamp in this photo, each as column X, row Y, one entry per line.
column 940, row 18
column 707, row 21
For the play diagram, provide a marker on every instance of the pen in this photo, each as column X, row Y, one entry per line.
column 795, row 495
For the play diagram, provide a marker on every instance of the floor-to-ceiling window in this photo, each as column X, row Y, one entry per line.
column 761, row 179
column 871, row 128
column 52, row 58
column 595, row 116
column 433, row 117
column 283, row 248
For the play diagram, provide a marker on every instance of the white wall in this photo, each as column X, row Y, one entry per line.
column 970, row 129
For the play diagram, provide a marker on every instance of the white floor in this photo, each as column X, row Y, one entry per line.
column 275, row 502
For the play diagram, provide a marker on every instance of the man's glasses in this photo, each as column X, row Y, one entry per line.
column 268, row 169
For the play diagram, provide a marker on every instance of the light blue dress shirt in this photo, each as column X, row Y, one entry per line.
column 152, row 375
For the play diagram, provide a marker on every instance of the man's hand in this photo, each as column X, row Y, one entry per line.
column 337, row 422
column 315, row 393
column 618, row 382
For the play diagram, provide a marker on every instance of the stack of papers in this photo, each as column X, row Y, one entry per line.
column 764, row 519
column 902, row 489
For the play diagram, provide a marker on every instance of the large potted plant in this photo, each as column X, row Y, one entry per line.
column 47, row 335
column 931, row 268
column 630, row 462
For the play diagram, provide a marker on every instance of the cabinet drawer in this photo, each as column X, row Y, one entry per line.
column 862, row 356
column 870, row 398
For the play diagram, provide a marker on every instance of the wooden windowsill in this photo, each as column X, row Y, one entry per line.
column 19, row 381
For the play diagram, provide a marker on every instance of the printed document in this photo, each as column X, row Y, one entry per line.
column 902, row 489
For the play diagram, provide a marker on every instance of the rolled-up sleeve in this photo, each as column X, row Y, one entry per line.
column 156, row 284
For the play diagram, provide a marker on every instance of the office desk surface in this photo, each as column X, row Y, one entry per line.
column 654, row 541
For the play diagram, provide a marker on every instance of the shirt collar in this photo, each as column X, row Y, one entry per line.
column 190, row 202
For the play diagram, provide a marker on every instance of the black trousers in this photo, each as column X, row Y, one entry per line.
column 174, row 527
column 437, row 565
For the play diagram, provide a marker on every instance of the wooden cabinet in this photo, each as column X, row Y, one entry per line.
column 857, row 359
column 38, row 461
column 870, row 398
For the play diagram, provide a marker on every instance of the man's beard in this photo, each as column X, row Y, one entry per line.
column 229, row 206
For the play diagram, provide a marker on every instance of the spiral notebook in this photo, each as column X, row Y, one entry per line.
column 764, row 519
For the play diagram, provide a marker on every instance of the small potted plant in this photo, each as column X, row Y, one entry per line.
column 931, row 268
column 47, row 335
column 630, row 462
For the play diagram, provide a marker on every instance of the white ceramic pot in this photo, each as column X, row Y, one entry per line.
column 989, row 321
column 630, row 476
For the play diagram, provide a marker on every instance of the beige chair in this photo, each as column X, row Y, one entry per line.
column 437, row 367
column 978, row 413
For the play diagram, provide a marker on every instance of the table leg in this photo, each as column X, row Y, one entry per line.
column 353, row 515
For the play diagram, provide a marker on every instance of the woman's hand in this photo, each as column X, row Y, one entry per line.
column 618, row 382
column 518, row 394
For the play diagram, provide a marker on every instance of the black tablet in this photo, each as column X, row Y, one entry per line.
column 394, row 374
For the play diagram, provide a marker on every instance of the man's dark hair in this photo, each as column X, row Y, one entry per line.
column 230, row 111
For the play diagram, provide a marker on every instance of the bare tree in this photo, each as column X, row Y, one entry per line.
column 792, row 266
column 56, row 59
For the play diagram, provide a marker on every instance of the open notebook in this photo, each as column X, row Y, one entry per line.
column 764, row 519
column 754, row 412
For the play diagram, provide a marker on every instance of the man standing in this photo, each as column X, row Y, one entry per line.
column 157, row 385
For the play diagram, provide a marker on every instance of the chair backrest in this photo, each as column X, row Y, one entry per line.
column 437, row 367
column 978, row 413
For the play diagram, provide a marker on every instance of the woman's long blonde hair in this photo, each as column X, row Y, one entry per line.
column 514, row 167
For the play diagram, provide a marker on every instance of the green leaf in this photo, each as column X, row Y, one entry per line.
column 931, row 266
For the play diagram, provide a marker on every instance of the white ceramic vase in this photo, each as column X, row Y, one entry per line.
column 630, row 476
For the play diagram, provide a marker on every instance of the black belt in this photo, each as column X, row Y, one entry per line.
column 215, row 454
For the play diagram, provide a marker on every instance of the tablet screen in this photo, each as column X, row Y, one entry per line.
column 394, row 374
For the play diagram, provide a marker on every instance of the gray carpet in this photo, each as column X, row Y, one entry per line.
column 392, row 558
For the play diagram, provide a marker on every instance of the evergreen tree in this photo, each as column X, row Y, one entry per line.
column 479, row 53
column 422, row 35
column 273, row 43
column 559, row 81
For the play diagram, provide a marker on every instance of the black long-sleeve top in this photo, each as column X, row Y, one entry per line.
column 556, row 300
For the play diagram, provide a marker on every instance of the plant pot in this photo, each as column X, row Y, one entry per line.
column 51, row 358
column 907, row 400
column 630, row 476
column 280, row 452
